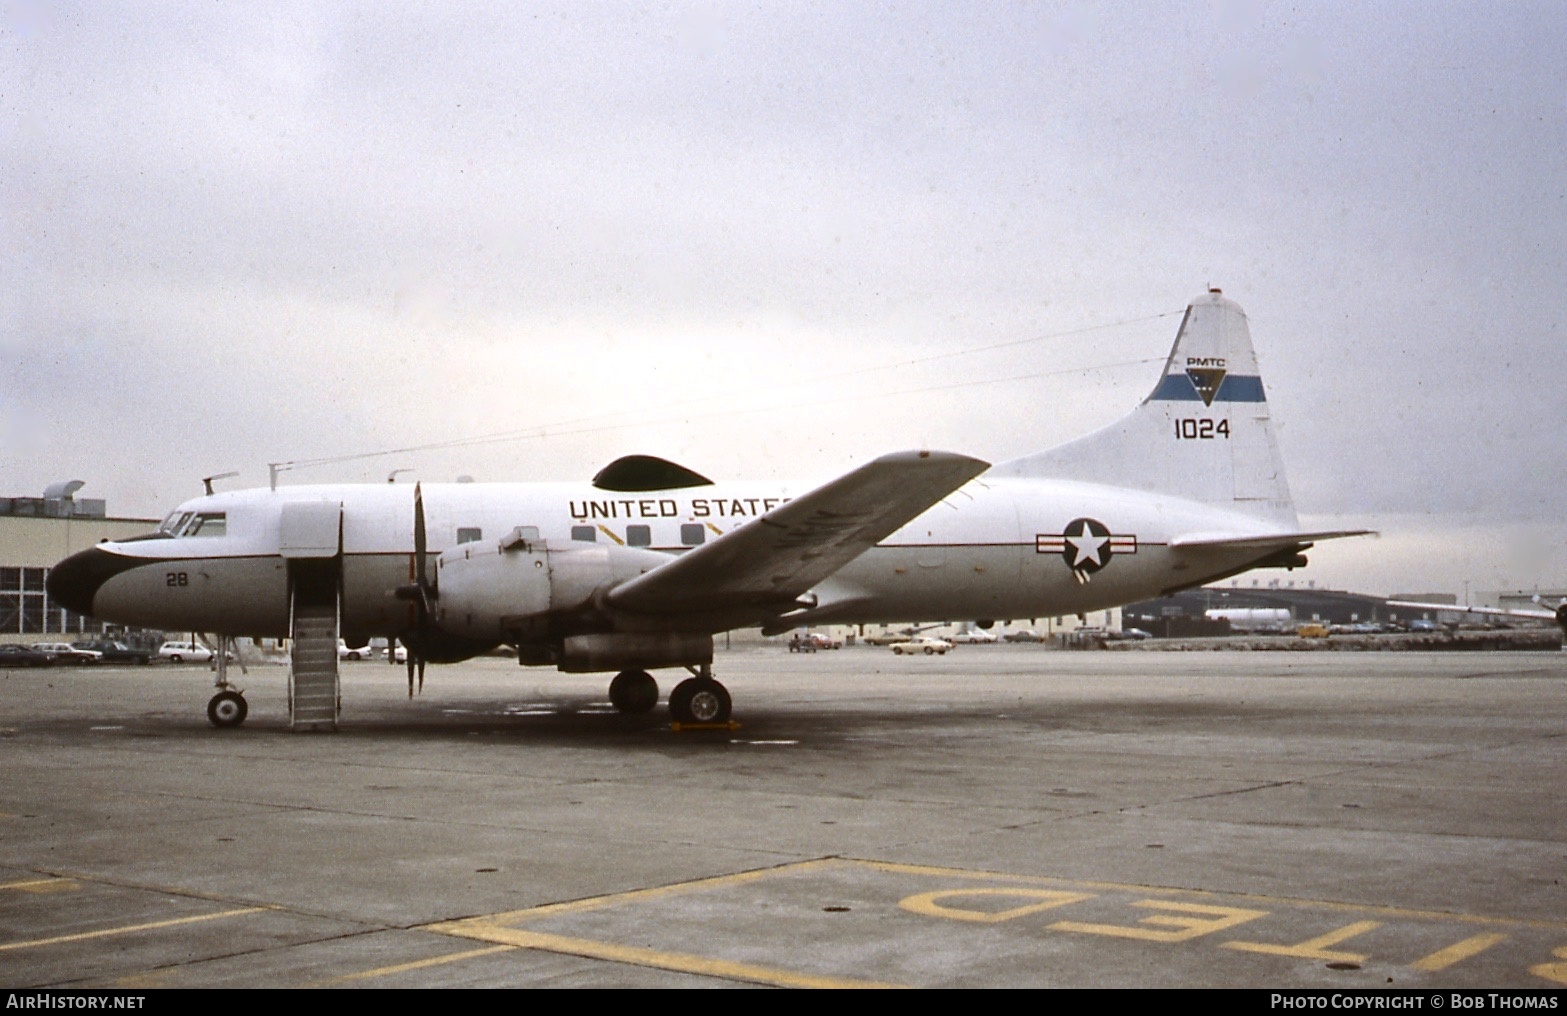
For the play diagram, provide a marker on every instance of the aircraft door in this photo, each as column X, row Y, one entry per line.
column 311, row 529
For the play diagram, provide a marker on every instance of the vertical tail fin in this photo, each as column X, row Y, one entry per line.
column 1203, row 434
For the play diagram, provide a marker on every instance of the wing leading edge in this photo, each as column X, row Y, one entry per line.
column 775, row 559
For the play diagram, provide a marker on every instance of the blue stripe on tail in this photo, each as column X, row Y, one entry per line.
column 1234, row 388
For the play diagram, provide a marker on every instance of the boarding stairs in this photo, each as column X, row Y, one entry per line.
column 313, row 688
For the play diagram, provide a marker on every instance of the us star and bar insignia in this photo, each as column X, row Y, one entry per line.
column 1086, row 545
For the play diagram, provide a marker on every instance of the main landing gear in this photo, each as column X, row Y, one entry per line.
column 696, row 700
column 633, row 692
column 699, row 699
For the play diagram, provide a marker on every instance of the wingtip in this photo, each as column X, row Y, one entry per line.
column 935, row 457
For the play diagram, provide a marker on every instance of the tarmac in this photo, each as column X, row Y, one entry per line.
column 1002, row 816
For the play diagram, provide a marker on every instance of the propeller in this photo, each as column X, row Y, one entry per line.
column 420, row 592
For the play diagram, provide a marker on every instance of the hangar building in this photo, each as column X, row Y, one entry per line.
column 35, row 534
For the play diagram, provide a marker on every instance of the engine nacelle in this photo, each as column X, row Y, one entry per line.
column 508, row 591
column 586, row 654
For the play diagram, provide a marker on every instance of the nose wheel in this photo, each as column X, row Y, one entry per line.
column 227, row 709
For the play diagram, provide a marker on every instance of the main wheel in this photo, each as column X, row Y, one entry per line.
column 699, row 700
column 633, row 692
column 227, row 709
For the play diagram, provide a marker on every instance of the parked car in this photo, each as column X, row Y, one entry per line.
column 13, row 655
column 117, row 652
column 63, row 653
column 180, row 652
column 347, row 652
column 922, row 644
column 887, row 638
column 1022, row 635
column 973, row 637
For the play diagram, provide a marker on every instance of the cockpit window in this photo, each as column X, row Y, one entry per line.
column 175, row 522
column 194, row 524
column 207, row 524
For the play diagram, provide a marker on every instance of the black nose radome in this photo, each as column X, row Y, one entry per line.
column 75, row 581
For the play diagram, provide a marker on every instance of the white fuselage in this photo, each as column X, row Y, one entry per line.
column 997, row 548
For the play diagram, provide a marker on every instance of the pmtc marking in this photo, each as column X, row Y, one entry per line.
column 1205, row 361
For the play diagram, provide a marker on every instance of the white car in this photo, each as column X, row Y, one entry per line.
column 973, row 637
column 180, row 652
column 63, row 653
column 923, row 644
column 346, row 652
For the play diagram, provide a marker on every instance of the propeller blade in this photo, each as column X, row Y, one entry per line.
column 411, row 675
column 419, row 550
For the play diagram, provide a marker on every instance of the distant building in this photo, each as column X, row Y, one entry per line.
column 35, row 534
column 1215, row 604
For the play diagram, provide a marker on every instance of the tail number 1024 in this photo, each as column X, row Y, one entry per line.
column 1201, row 429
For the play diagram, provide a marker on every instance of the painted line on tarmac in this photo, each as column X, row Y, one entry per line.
column 400, row 968
column 1094, row 909
column 83, row 936
column 685, row 963
column 42, row 885
column 1381, row 910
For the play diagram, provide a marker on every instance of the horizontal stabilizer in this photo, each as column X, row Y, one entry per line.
column 778, row 557
column 1454, row 608
column 1267, row 541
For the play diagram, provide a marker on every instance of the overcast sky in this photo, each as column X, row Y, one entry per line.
column 777, row 240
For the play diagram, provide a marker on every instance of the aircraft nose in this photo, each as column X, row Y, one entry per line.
column 75, row 581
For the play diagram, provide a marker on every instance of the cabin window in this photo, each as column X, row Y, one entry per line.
column 586, row 534
column 693, row 534
column 207, row 524
column 639, row 536
column 470, row 534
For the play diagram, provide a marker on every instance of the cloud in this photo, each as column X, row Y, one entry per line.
column 237, row 236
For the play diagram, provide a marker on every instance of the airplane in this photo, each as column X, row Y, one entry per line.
column 639, row 569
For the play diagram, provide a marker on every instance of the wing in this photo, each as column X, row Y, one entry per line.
column 773, row 560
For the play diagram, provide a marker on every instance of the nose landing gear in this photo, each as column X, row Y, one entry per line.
column 228, row 707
